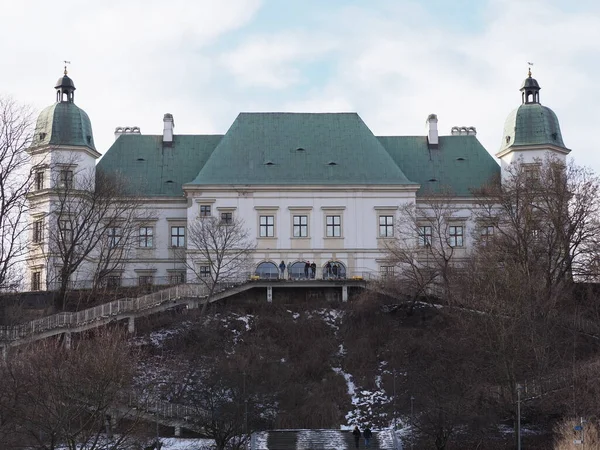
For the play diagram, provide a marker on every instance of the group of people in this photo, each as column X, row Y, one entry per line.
column 332, row 270
column 366, row 434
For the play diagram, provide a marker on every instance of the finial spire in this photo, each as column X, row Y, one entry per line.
column 66, row 62
column 529, row 71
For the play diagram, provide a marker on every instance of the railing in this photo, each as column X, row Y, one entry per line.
column 66, row 320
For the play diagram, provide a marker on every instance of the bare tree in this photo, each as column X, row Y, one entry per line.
column 545, row 218
column 91, row 219
column 15, row 184
column 424, row 247
column 219, row 251
column 61, row 398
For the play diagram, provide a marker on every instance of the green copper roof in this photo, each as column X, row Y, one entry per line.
column 531, row 124
column 300, row 149
column 157, row 170
column 63, row 123
column 459, row 164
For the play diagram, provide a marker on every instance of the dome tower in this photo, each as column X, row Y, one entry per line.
column 63, row 158
column 531, row 132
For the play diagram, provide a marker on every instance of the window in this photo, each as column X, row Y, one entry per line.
column 204, row 271
column 38, row 231
column 145, row 280
column 66, row 179
column 267, row 226
column 333, row 226
column 455, row 235
column 177, row 236
column 386, row 226
column 113, row 281
column 386, row 271
column 36, row 281
column 226, row 218
column 532, row 173
column 145, row 236
column 66, row 231
column 300, row 226
column 205, row 211
column 425, row 236
column 39, row 181
column 114, row 236
column 487, row 232
column 177, row 278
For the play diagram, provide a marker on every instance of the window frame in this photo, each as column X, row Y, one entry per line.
column 145, row 280
column 388, row 227
column 177, row 236
column 204, row 271
column 38, row 231
column 330, row 228
column 299, row 226
column 114, row 235
column 205, row 210
column 266, row 230
column 65, row 179
column 456, row 236
column 177, row 277
column 226, row 218
column 39, row 180
column 113, row 281
column 66, row 231
column 147, row 239
column 36, row 280
column 425, row 236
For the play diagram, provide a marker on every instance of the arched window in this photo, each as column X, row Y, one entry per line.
column 297, row 270
column 334, row 270
column 267, row 270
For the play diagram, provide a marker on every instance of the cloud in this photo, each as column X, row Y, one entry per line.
column 393, row 61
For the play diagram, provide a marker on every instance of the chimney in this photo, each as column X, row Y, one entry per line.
column 432, row 131
column 463, row 131
column 126, row 130
column 168, row 129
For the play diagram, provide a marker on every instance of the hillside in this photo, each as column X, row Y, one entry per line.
column 368, row 362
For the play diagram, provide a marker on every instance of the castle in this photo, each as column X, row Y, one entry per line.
column 319, row 187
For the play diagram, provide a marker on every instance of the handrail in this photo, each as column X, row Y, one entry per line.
column 67, row 320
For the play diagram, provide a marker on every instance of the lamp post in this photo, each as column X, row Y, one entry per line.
column 519, row 416
column 412, row 418
column 394, row 399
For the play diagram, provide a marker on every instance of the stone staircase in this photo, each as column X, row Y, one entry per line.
column 320, row 440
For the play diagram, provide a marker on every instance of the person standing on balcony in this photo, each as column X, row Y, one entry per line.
column 313, row 270
column 328, row 270
column 306, row 269
column 282, row 270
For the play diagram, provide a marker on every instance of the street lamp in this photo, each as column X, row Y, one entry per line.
column 519, row 387
column 412, row 419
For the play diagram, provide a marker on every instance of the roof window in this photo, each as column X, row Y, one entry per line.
column 269, row 163
column 140, row 159
column 460, row 158
column 300, row 149
column 432, row 180
column 332, row 163
column 169, row 181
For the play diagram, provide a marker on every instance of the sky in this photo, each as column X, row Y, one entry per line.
column 392, row 61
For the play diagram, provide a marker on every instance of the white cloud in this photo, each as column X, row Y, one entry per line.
column 393, row 61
